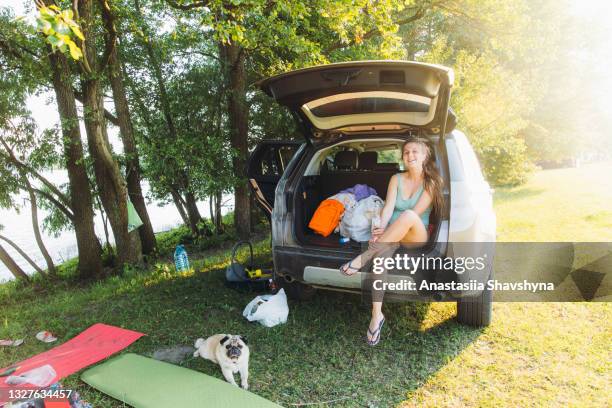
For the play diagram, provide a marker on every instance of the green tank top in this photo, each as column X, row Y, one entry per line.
column 402, row 204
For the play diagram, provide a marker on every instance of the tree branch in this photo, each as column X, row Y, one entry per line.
column 59, row 205
column 111, row 41
column 23, row 254
column 107, row 115
column 7, row 47
column 420, row 13
column 190, row 6
column 23, row 166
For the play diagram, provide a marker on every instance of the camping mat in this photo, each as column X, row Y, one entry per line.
column 144, row 382
column 90, row 346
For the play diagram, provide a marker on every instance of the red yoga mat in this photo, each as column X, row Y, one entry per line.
column 94, row 344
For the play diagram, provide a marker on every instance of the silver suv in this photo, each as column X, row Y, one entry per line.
column 354, row 117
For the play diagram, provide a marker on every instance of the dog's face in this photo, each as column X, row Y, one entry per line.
column 233, row 346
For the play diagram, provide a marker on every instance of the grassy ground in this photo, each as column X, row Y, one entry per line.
column 569, row 205
column 534, row 354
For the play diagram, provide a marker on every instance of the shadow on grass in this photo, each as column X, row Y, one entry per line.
column 319, row 355
column 511, row 194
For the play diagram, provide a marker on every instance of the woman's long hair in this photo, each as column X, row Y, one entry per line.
column 432, row 181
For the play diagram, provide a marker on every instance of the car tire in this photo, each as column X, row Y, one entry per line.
column 476, row 311
column 297, row 290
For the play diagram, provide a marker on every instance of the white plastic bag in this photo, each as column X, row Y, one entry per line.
column 357, row 222
column 40, row 376
column 268, row 310
column 347, row 199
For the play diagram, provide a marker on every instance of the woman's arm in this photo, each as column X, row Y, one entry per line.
column 423, row 203
column 387, row 210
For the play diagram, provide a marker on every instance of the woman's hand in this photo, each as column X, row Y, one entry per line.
column 376, row 233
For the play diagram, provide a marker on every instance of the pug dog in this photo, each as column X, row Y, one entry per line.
column 230, row 352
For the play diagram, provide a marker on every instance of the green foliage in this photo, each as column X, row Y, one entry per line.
column 60, row 30
column 167, row 241
column 497, row 86
column 505, row 162
column 55, row 222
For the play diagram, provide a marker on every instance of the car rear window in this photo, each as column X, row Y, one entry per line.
column 390, row 156
column 368, row 105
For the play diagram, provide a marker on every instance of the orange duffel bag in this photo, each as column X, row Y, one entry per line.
column 327, row 217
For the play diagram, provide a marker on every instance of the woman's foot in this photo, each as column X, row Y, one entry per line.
column 376, row 324
column 352, row 267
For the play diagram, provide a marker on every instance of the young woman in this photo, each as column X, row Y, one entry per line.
column 411, row 197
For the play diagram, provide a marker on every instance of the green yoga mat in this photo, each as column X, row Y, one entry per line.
column 143, row 382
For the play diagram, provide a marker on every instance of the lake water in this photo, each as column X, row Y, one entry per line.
column 18, row 228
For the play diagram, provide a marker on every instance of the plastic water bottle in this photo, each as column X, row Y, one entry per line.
column 181, row 261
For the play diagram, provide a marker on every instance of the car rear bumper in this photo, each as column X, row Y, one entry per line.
column 320, row 268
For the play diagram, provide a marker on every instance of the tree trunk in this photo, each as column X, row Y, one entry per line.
column 178, row 202
column 193, row 214
column 233, row 64
column 211, row 209
column 111, row 184
column 147, row 237
column 218, row 215
column 23, row 254
column 12, row 265
column 90, row 261
column 36, row 227
column 104, row 225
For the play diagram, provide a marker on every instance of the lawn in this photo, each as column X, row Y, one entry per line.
column 568, row 205
column 533, row 354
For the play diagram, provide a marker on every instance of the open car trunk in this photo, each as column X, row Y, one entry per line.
column 336, row 102
column 313, row 189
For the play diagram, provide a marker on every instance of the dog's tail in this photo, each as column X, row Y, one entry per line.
column 198, row 344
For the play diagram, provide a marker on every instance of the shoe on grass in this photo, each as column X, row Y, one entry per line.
column 46, row 337
column 11, row 343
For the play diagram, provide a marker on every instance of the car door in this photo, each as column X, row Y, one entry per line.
column 265, row 167
column 333, row 100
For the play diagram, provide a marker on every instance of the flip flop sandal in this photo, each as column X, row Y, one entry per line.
column 349, row 267
column 11, row 343
column 46, row 337
column 375, row 334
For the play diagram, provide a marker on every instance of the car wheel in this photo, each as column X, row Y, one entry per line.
column 297, row 290
column 476, row 311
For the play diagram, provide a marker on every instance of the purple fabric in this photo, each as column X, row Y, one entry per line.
column 361, row 191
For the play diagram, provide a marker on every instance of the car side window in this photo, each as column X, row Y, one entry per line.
column 275, row 160
column 470, row 161
column 454, row 161
column 269, row 164
column 285, row 154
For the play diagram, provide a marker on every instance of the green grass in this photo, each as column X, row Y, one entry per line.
column 562, row 205
column 534, row 354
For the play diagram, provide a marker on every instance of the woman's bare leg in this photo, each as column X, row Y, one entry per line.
column 408, row 228
column 377, row 316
